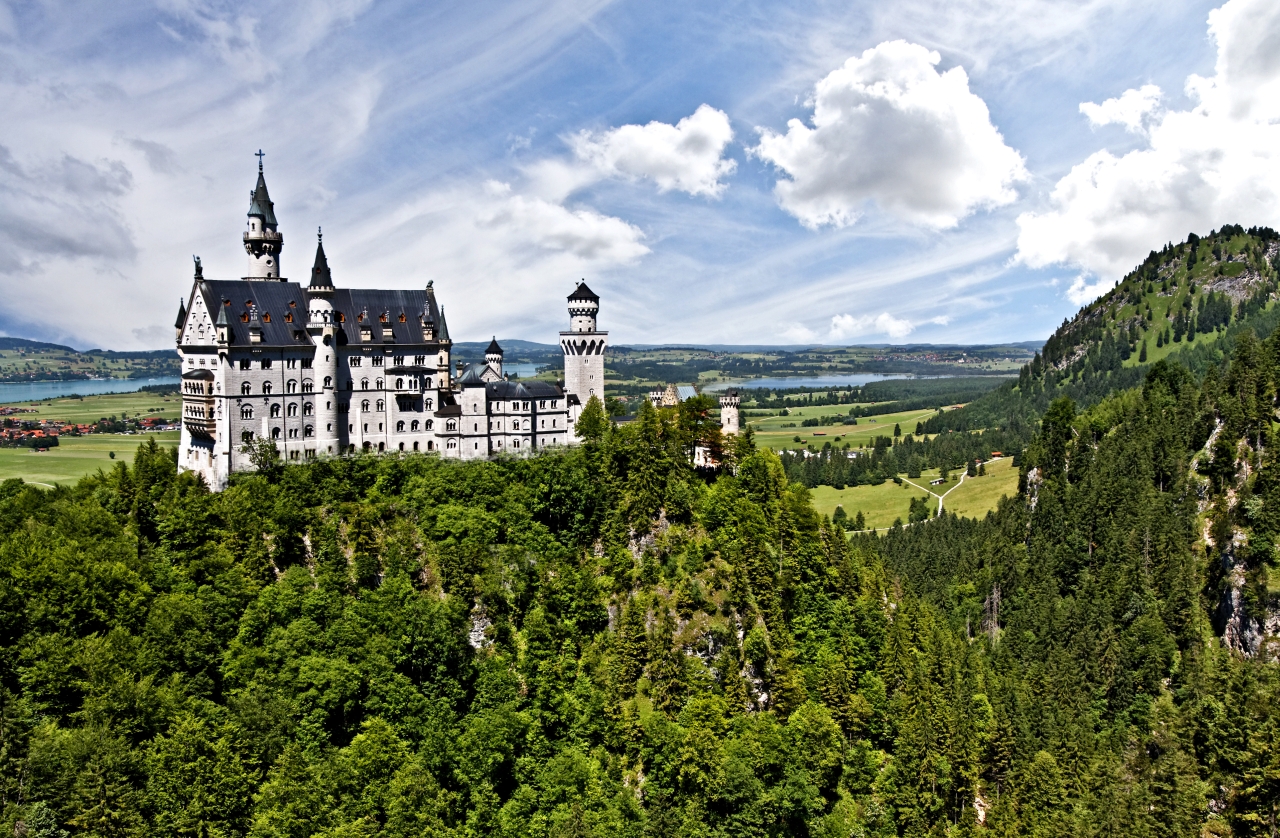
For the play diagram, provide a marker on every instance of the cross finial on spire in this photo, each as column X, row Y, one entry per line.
column 319, row 234
column 260, row 155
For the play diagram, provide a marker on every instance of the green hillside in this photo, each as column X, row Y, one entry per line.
column 1186, row 303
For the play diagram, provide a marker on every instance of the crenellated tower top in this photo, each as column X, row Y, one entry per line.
column 262, row 241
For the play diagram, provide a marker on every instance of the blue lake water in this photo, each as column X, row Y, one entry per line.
column 847, row 380
column 42, row 390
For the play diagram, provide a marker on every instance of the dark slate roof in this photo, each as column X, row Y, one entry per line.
column 203, row 375
column 514, row 390
column 582, row 292
column 352, row 302
column 271, row 299
column 320, row 275
column 260, row 203
column 182, row 315
column 493, row 349
column 471, row 376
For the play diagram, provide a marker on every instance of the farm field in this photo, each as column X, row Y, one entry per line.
column 771, row 434
column 93, row 408
column 882, row 504
column 74, row 457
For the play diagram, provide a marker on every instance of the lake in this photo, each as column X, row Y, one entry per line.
column 846, row 380
column 39, row 391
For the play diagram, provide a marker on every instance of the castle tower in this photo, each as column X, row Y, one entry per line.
column 729, row 402
column 493, row 356
column 261, row 241
column 583, row 348
column 446, row 344
column 322, row 325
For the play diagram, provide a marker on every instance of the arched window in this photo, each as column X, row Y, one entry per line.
column 293, row 409
column 307, row 409
column 402, row 446
column 364, row 406
column 377, row 385
column 399, row 383
column 246, row 388
column 515, row 443
column 413, row 426
column 275, row 411
column 451, row 425
column 246, row 411
column 415, row 446
column 364, row 384
column 381, row 405
column 291, row 386
column 266, row 388
column 293, row 433
column 308, row 431
column 275, row 433
column 429, row 405
column 430, row 424
column 400, row 426
column 308, row 385
column 328, row 381
column 453, row 443
column 246, row 436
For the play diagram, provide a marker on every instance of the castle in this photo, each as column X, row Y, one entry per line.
column 322, row 370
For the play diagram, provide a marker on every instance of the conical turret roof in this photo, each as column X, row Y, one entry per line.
column 494, row 349
column 260, row 202
column 320, row 275
column 582, row 292
column 182, row 315
column 222, row 316
column 444, row 326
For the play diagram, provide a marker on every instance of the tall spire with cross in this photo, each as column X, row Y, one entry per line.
column 262, row 241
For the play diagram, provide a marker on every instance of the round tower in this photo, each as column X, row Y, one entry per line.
column 322, row 325
column 262, row 241
column 493, row 356
column 583, row 347
column 729, row 402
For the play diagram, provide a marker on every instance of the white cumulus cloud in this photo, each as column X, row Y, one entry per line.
column 889, row 129
column 1082, row 291
column 1215, row 163
column 1131, row 109
column 687, row 156
column 584, row 233
column 845, row 326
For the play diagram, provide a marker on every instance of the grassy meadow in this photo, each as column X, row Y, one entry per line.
column 92, row 408
column 771, row 433
column 74, row 457
column 882, row 504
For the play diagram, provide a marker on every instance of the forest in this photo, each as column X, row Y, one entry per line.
column 606, row 642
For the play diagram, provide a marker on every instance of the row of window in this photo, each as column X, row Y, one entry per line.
column 523, row 407
column 289, row 363
column 290, row 386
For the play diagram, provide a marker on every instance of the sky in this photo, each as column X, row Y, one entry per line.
column 922, row 171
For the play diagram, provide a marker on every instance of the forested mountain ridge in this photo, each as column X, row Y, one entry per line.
column 604, row 642
column 1186, row 302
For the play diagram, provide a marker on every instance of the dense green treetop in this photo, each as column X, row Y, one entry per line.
column 603, row 641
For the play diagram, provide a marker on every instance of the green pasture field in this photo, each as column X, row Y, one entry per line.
column 93, row 408
column 771, row 434
column 74, row 457
column 979, row 495
column 881, row 505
